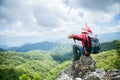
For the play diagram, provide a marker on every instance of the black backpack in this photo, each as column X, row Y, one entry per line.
column 95, row 45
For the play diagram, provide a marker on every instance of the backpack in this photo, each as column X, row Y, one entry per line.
column 95, row 44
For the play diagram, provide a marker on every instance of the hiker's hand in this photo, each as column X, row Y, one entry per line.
column 70, row 36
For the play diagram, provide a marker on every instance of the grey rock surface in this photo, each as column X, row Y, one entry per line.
column 85, row 69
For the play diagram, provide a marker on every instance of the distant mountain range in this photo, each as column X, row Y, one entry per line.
column 107, row 37
column 46, row 45
column 2, row 50
column 35, row 46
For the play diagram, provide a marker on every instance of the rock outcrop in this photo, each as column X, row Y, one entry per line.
column 113, row 74
column 85, row 69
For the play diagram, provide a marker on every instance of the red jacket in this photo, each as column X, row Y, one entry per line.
column 84, row 38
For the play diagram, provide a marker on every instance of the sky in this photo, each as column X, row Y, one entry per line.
column 30, row 21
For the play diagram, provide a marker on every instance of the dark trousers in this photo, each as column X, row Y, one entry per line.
column 77, row 51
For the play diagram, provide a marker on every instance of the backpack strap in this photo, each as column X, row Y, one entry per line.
column 87, row 42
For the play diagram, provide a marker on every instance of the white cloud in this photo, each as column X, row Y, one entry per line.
column 104, row 29
column 54, row 19
column 94, row 10
column 13, row 33
column 94, row 5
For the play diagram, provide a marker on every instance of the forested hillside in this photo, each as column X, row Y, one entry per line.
column 38, row 65
column 44, row 65
column 2, row 50
column 108, row 45
column 108, row 60
column 33, row 63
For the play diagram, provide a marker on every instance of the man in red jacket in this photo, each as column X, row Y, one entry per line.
column 86, row 45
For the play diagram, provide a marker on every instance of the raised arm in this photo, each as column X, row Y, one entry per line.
column 76, row 36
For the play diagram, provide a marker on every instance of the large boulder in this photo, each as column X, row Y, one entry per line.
column 66, row 74
column 113, row 74
column 98, row 74
column 83, row 66
column 92, row 76
column 101, row 73
column 85, row 69
column 79, row 68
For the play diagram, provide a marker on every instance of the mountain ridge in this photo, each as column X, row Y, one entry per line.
column 107, row 37
column 34, row 46
column 47, row 45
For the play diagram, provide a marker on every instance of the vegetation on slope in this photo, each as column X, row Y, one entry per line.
column 62, row 52
column 14, row 65
column 108, row 45
column 107, row 60
column 45, row 65
column 52, row 75
column 36, row 66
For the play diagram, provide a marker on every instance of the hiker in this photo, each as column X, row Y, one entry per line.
column 86, row 45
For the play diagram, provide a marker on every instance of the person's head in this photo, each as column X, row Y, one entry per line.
column 88, row 28
column 84, row 30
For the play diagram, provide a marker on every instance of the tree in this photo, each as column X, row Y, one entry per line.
column 117, row 44
column 37, row 77
column 24, row 77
